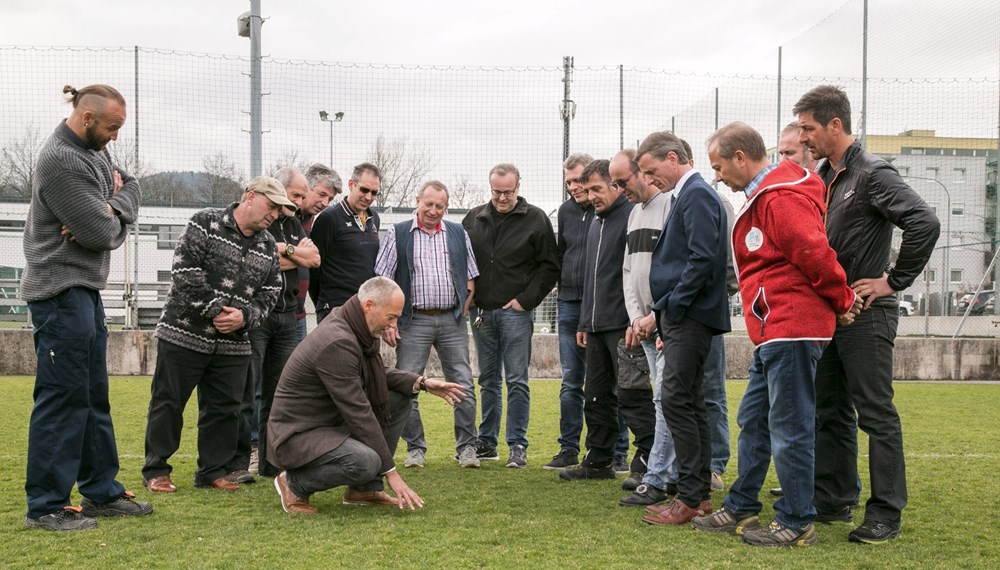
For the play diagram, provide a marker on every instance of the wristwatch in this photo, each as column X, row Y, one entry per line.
column 289, row 250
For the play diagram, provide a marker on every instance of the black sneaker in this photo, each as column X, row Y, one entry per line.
column 67, row 519
column 725, row 520
column 518, row 458
column 830, row 517
column 486, row 453
column 124, row 506
column 632, row 482
column 581, row 472
column 240, row 476
column 777, row 534
column 642, row 496
column 874, row 532
column 620, row 464
column 565, row 458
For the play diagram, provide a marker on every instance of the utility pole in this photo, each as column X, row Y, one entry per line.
column 568, row 109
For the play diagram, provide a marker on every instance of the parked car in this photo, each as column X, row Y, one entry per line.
column 905, row 308
column 982, row 305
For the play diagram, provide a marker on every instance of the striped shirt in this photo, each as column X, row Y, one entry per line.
column 432, row 285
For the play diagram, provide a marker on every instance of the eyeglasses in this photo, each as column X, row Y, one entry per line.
column 508, row 194
column 365, row 190
column 620, row 184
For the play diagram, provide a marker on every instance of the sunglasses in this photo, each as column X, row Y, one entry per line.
column 366, row 190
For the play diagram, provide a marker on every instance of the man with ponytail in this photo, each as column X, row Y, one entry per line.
column 81, row 205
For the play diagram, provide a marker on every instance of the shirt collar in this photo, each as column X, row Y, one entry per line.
column 754, row 184
column 416, row 226
column 680, row 183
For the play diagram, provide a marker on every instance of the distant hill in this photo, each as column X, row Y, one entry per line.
column 175, row 188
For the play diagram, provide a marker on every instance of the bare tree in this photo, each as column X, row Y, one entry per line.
column 18, row 159
column 224, row 180
column 290, row 158
column 464, row 193
column 123, row 156
column 403, row 167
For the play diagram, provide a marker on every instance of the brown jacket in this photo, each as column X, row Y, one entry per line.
column 320, row 401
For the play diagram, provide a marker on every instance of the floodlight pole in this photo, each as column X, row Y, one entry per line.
column 337, row 117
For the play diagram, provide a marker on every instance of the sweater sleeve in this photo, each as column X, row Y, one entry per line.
column 74, row 196
column 267, row 295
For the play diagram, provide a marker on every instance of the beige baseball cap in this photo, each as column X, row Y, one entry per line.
column 274, row 190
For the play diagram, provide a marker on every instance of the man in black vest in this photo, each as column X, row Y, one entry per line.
column 432, row 261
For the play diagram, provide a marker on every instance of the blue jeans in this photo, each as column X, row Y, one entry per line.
column 715, row 402
column 778, row 417
column 661, row 469
column 574, row 364
column 301, row 328
column 70, row 435
column 271, row 343
column 503, row 346
column 451, row 341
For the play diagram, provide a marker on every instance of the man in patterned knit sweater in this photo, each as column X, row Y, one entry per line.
column 226, row 279
column 80, row 206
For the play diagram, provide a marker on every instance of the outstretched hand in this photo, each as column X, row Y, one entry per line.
column 405, row 496
column 447, row 391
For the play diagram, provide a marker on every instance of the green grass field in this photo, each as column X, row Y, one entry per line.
column 500, row 518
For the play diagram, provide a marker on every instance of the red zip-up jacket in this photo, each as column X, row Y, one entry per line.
column 790, row 282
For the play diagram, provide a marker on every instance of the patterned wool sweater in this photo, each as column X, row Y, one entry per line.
column 72, row 187
column 215, row 265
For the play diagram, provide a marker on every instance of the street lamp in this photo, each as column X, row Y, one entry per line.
column 337, row 117
column 947, row 239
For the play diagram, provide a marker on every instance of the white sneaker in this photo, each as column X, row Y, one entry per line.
column 415, row 458
column 254, row 461
column 467, row 458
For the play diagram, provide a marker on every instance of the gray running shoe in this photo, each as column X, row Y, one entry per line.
column 725, row 520
column 467, row 458
column 415, row 458
column 518, row 457
column 65, row 520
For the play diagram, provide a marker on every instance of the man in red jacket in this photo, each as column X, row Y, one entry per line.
column 794, row 293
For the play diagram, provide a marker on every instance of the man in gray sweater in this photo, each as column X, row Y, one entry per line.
column 80, row 206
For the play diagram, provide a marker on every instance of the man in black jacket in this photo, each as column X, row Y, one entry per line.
column 603, row 321
column 865, row 198
column 515, row 248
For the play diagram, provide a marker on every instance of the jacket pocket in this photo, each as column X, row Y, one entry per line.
column 633, row 368
column 760, row 309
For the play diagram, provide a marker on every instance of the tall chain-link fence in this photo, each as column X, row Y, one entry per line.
column 924, row 81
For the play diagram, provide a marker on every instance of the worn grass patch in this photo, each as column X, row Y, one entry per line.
column 500, row 518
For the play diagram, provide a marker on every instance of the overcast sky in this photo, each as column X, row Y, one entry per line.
column 695, row 36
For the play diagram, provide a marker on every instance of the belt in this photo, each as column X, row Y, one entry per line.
column 434, row 312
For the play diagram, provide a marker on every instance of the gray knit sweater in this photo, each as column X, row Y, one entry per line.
column 72, row 187
column 215, row 265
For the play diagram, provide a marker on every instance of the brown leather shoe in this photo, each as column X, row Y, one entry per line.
column 161, row 484
column 221, row 484
column 355, row 497
column 660, row 507
column 289, row 501
column 677, row 514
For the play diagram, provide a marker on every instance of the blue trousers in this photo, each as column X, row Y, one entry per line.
column 70, row 436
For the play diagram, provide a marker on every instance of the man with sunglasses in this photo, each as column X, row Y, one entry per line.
column 348, row 241
column 515, row 246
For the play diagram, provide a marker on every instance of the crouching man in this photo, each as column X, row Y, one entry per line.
column 338, row 411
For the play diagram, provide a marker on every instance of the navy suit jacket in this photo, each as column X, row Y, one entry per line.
column 687, row 276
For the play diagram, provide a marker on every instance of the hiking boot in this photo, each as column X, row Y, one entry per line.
column 67, row 519
column 777, row 534
column 467, row 458
column 518, row 457
column 485, row 452
column 581, row 472
column 717, row 484
column 632, row 482
column 415, row 458
column 124, row 506
column 240, row 476
column 620, row 464
column 725, row 520
column 642, row 496
column 829, row 517
column 565, row 458
column 874, row 532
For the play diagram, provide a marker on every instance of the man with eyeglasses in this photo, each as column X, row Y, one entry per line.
column 515, row 247
column 348, row 241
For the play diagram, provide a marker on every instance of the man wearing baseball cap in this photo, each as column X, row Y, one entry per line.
column 225, row 280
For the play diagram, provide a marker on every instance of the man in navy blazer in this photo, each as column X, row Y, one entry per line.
column 687, row 279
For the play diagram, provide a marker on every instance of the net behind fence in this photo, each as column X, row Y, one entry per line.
column 929, row 104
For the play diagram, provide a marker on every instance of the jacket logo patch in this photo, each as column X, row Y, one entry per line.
column 849, row 194
column 754, row 239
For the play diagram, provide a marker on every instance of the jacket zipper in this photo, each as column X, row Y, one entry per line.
column 597, row 262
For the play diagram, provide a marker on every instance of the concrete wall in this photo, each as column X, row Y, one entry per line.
column 134, row 353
